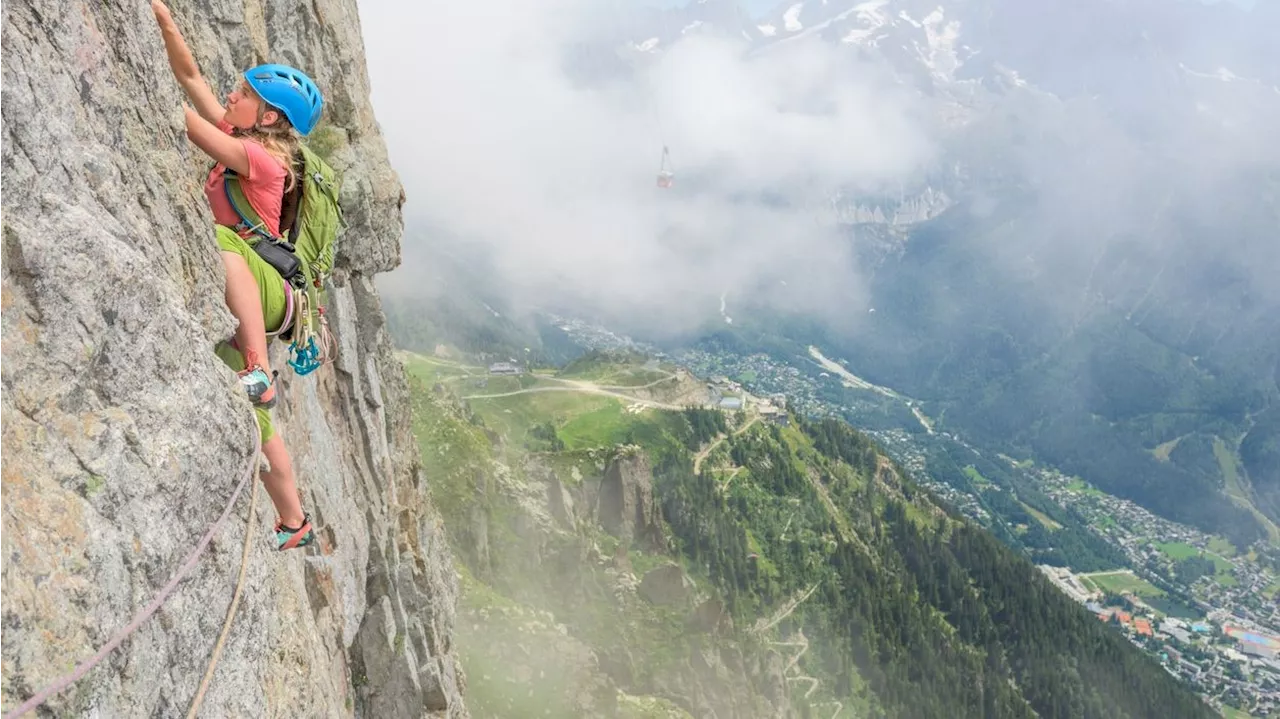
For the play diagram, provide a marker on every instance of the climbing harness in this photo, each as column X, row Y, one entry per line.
column 287, row 322
column 305, row 354
column 76, row 674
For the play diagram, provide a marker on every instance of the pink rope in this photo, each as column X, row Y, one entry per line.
column 67, row 679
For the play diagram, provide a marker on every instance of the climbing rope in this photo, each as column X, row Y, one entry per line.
column 76, row 674
column 235, row 598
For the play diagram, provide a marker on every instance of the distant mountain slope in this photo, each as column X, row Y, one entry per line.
column 797, row 573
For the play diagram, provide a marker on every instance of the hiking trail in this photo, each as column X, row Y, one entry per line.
column 698, row 459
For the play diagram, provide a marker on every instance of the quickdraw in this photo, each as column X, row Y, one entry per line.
column 305, row 355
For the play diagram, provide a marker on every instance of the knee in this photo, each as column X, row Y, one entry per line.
column 275, row 450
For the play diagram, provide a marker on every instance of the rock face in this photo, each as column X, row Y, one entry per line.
column 626, row 506
column 124, row 436
column 666, row 586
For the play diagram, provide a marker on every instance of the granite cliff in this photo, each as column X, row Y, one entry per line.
column 124, row 436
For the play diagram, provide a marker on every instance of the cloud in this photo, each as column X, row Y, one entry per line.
column 516, row 133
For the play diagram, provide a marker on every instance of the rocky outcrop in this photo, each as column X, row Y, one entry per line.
column 626, row 508
column 718, row 672
column 711, row 616
column 536, row 663
column 658, row 636
column 666, row 586
column 124, row 436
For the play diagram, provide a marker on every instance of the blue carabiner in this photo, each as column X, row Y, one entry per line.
column 304, row 360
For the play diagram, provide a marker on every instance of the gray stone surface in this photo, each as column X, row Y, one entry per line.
column 626, row 506
column 123, row 435
column 666, row 586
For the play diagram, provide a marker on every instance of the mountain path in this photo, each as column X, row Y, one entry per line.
column 763, row 625
column 801, row 642
column 580, row 386
column 697, row 460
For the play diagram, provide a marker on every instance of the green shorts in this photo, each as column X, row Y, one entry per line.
column 270, row 284
column 272, row 293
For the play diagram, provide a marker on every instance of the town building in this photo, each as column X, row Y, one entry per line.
column 505, row 368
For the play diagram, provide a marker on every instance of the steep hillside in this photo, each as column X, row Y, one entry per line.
column 631, row 559
column 124, row 437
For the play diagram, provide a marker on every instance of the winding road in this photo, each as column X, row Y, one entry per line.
column 792, row 671
column 697, row 460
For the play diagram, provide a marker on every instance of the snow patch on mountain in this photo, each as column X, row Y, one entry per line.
column 903, row 211
column 1221, row 73
column 870, row 17
column 941, row 59
column 791, row 18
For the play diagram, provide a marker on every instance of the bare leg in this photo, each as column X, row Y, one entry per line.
column 280, row 483
column 246, row 304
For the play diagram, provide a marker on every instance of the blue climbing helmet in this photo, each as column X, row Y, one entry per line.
column 290, row 91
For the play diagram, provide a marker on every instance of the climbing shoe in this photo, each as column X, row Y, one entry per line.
column 258, row 384
column 292, row 538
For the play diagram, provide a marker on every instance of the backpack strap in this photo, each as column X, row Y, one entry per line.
column 249, row 218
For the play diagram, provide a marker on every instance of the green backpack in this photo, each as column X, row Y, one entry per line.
column 310, row 217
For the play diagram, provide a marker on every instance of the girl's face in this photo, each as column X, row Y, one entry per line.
column 245, row 109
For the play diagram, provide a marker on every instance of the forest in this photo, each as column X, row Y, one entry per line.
column 1010, row 499
column 929, row 613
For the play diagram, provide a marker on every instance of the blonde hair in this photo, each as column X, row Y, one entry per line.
column 281, row 142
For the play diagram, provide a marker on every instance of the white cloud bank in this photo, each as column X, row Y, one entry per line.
column 510, row 136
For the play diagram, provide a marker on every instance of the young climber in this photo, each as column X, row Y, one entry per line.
column 253, row 136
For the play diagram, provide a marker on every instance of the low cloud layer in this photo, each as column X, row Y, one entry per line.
column 523, row 136
column 516, row 136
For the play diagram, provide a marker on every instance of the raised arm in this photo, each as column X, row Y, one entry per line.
column 223, row 148
column 184, row 66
